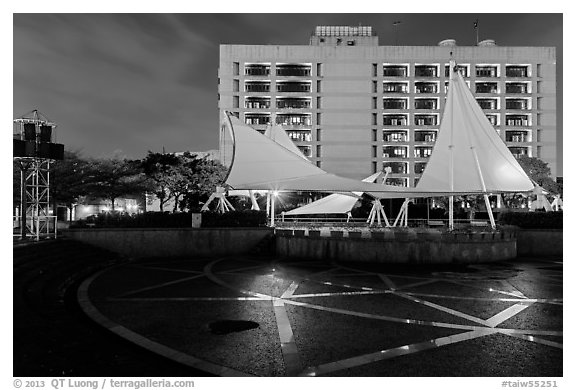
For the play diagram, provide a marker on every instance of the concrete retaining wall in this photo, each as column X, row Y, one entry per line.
column 428, row 247
column 172, row 242
column 540, row 243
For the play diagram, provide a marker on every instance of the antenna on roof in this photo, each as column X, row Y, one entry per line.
column 396, row 24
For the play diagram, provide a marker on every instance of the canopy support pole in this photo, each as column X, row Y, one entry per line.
column 253, row 200
column 486, row 199
column 489, row 209
column 375, row 213
column 451, row 212
column 272, row 205
column 402, row 214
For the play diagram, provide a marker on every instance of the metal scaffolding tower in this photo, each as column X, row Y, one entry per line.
column 33, row 153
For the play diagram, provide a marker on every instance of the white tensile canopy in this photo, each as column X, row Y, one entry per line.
column 258, row 163
column 469, row 156
column 277, row 134
column 541, row 201
column 334, row 203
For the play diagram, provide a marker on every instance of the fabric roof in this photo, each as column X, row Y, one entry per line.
column 334, row 203
column 261, row 164
column 277, row 134
column 469, row 156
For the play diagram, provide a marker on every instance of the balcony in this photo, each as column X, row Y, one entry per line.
column 517, row 104
column 293, row 87
column 293, row 70
column 518, row 136
column 463, row 70
column 257, row 119
column 426, row 87
column 519, row 151
column 257, row 103
column 419, row 167
column 257, row 86
column 516, row 88
column 486, row 71
column 426, row 120
column 395, row 104
column 422, row 151
column 300, row 136
column 306, row 150
column 425, row 71
column 486, row 87
column 425, row 136
column 493, row 119
column 395, row 120
column 396, row 167
column 394, row 151
column 517, row 71
column 397, row 181
column 257, row 70
column 395, row 87
column 395, row 136
column 517, row 120
column 394, row 71
column 426, row 104
column 488, row 104
column 292, row 103
column 293, row 120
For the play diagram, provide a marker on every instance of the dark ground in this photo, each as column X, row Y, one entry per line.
column 353, row 319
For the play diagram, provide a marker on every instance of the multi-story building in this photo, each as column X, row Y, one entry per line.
column 354, row 107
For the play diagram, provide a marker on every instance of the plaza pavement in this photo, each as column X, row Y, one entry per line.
column 263, row 316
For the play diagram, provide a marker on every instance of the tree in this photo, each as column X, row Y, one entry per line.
column 159, row 169
column 112, row 178
column 538, row 171
column 69, row 179
column 203, row 176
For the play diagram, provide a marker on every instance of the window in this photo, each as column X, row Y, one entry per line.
column 395, row 120
column 517, row 71
column 318, row 151
column 294, row 119
column 293, row 70
column 517, row 136
column 516, row 87
column 396, row 167
column 493, row 119
column 419, row 167
column 293, row 103
column 426, row 71
column 395, row 104
column 426, row 104
column 421, row 87
column 487, row 88
column 374, row 135
column 426, row 120
column 516, row 104
column 395, row 87
column 236, row 68
column 488, row 104
column 422, row 151
column 256, row 102
column 395, row 136
column 293, row 86
column 374, row 119
column 517, row 120
column 374, row 151
column 374, row 87
column 318, row 135
column 374, row 70
column 236, row 85
column 394, row 151
column 318, row 86
column 257, row 86
column 236, row 101
column 350, row 43
column 425, row 136
column 395, row 71
column 257, row 119
column 256, row 70
column 486, row 71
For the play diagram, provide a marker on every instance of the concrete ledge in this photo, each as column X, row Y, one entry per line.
column 539, row 242
column 154, row 242
column 403, row 246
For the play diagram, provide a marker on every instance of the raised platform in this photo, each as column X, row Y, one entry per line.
column 398, row 246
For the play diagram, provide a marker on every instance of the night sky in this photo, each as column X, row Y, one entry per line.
column 122, row 84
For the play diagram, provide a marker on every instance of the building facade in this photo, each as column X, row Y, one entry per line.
column 354, row 107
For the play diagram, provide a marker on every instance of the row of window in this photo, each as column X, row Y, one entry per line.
column 430, row 136
column 395, row 120
column 432, row 87
column 389, row 70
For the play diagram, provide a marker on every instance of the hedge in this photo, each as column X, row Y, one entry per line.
column 532, row 220
column 248, row 218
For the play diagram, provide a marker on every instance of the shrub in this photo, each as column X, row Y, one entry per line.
column 532, row 220
column 248, row 218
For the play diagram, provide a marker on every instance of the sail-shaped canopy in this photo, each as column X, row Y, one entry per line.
column 334, row 203
column 258, row 163
column 469, row 156
column 277, row 134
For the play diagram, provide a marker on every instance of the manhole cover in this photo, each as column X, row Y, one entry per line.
column 231, row 326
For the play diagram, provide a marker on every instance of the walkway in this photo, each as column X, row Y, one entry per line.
column 300, row 318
